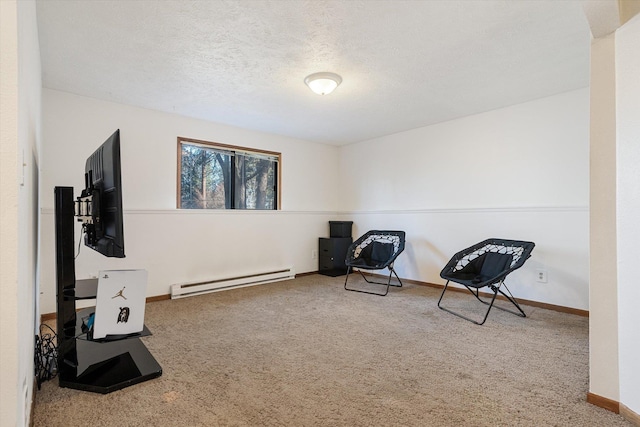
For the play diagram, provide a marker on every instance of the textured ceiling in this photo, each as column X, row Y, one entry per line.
column 404, row 64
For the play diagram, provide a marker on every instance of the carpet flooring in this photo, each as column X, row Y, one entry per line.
column 305, row 352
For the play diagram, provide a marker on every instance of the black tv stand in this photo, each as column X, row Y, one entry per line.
column 100, row 366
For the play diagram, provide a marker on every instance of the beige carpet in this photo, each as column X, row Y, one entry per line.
column 308, row 353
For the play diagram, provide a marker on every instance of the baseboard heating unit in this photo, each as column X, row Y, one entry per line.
column 182, row 290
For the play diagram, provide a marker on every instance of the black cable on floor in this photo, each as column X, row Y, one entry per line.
column 46, row 355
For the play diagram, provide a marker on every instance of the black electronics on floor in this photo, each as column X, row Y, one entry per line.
column 333, row 250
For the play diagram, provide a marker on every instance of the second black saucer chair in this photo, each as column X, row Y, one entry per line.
column 375, row 250
column 486, row 264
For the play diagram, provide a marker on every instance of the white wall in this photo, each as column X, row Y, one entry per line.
column 603, row 290
column 75, row 126
column 181, row 246
column 627, row 62
column 9, row 331
column 520, row 172
column 614, row 341
column 19, row 144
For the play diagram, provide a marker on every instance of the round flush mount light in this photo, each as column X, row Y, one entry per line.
column 323, row 83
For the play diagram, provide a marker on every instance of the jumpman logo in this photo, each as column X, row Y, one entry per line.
column 119, row 294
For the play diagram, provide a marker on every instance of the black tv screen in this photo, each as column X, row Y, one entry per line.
column 103, row 182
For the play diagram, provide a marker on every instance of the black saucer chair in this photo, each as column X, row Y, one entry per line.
column 375, row 250
column 487, row 264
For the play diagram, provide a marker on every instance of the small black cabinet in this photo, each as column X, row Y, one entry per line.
column 333, row 251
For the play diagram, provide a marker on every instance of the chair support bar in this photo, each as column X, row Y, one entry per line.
column 476, row 293
column 509, row 297
column 391, row 271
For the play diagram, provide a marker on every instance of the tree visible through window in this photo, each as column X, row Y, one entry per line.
column 218, row 176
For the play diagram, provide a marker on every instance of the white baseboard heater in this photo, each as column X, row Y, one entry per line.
column 182, row 290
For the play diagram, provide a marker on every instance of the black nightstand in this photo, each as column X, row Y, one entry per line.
column 333, row 251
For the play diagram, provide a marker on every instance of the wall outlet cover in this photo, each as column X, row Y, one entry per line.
column 541, row 276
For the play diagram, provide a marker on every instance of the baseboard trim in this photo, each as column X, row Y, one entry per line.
column 47, row 316
column 308, row 273
column 32, row 413
column 51, row 316
column 158, row 298
column 546, row 306
column 559, row 308
column 604, row 402
column 629, row 415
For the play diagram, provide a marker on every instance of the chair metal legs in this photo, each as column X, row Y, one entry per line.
column 391, row 271
column 495, row 288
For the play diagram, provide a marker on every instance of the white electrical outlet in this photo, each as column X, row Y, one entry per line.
column 314, row 254
column 541, row 276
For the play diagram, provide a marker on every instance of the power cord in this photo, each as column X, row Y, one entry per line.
column 46, row 355
column 79, row 242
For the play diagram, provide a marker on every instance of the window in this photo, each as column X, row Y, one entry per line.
column 218, row 176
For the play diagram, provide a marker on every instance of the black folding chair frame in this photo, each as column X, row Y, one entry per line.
column 388, row 284
column 386, row 236
column 519, row 250
column 496, row 289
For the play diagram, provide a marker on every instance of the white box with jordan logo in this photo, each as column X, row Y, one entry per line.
column 120, row 303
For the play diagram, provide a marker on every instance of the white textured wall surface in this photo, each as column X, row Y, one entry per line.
column 29, row 140
column 184, row 247
column 433, row 236
column 603, row 309
column 181, row 246
column 628, row 209
column 9, row 333
column 521, row 172
column 75, row 126
column 20, row 125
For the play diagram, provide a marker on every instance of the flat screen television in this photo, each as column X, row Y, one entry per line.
column 100, row 203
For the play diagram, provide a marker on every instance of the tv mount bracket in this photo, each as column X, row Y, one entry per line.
column 87, row 209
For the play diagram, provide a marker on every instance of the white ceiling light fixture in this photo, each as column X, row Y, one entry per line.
column 323, row 83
